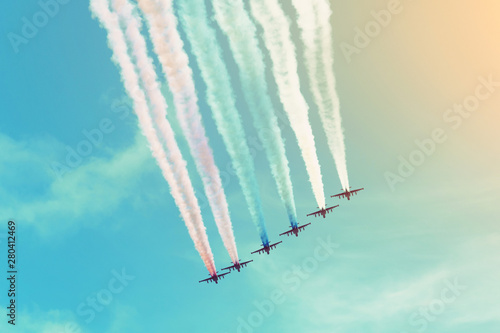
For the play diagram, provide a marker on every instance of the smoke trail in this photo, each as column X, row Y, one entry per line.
column 168, row 46
column 171, row 163
column 252, row 74
column 314, row 23
column 241, row 32
column 220, row 97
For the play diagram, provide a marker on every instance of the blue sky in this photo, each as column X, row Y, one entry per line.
column 397, row 249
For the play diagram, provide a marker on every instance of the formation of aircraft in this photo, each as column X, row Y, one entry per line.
column 237, row 266
column 323, row 211
column 347, row 193
column 266, row 248
column 214, row 278
column 295, row 230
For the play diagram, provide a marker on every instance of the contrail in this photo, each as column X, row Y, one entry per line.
column 241, row 32
column 202, row 37
column 170, row 160
column 169, row 47
column 314, row 23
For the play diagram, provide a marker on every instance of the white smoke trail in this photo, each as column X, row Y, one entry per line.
column 169, row 47
column 241, row 32
column 171, row 163
column 203, row 40
column 279, row 43
column 314, row 23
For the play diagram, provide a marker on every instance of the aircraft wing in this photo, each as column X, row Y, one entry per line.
column 329, row 209
column 359, row 189
column 288, row 233
column 230, row 267
column 210, row 279
column 315, row 213
column 302, row 227
column 272, row 246
column 340, row 195
column 259, row 251
column 243, row 264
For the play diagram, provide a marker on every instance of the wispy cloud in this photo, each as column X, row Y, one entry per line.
column 35, row 320
column 52, row 321
column 57, row 204
column 342, row 299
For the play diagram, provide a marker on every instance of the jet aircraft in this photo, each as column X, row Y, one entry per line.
column 347, row 194
column 215, row 278
column 237, row 266
column 295, row 230
column 323, row 211
column 266, row 248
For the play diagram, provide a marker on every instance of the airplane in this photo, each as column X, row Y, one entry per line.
column 215, row 278
column 295, row 230
column 323, row 211
column 237, row 266
column 266, row 248
column 347, row 194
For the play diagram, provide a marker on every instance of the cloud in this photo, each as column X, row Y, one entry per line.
column 53, row 321
column 342, row 297
column 336, row 302
column 123, row 319
column 35, row 195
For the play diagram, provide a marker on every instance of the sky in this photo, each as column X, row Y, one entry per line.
column 416, row 251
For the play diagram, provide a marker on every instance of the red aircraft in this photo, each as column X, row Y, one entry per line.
column 237, row 266
column 295, row 230
column 266, row 248
column 323, row 211
column 214, row 278
column 347, row 194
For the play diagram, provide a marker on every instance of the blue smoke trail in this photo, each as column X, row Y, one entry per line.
column 242, row 34
column 202, row 37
